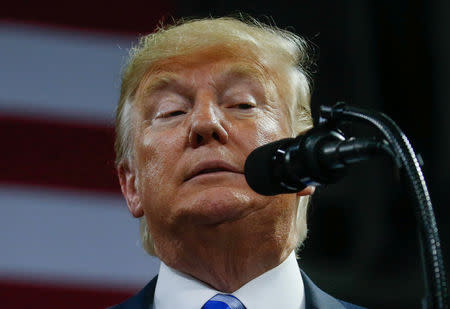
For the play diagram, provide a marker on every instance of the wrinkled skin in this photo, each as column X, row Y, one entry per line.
column 194, row 130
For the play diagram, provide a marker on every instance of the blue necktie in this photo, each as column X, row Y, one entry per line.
column 223, row 301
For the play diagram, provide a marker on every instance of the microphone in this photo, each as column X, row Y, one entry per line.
column 321, row 156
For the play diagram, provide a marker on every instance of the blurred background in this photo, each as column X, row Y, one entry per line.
column 67, row 240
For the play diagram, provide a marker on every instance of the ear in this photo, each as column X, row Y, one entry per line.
column 309, row 190
column 127, row 179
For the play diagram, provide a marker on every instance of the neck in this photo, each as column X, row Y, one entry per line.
column 229, row 261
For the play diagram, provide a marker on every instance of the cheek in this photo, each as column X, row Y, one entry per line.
column 270, row 128
column 267, row 128
column 155, row 154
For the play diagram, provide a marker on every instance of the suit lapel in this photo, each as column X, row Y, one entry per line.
column 142, row 300
column 315, row 298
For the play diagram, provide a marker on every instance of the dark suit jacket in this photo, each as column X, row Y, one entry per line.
column 315, row 298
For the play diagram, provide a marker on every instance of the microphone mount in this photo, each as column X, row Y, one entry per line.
column 326, row 157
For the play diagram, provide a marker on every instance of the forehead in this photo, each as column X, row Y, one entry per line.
column 228, row 59
column 219, row 72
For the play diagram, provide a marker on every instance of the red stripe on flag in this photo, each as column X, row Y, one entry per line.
column 57, row 154
column 22, row 295
column 131, row 17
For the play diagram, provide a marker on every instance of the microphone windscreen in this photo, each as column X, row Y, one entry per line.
column 260, row 168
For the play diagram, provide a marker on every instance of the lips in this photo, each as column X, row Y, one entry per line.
column 208, row 167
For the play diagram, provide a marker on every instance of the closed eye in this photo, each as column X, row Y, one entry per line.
column 245, row 106
column 171, row 114
column 176, row 113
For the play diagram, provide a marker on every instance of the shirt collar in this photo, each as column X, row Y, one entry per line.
column 280, row 287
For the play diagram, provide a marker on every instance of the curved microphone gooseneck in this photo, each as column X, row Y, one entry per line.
column 322, row 156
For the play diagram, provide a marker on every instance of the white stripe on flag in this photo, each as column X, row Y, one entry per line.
column 62, row 74
column 54, row 235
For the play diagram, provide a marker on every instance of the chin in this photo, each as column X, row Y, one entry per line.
column 217, row 204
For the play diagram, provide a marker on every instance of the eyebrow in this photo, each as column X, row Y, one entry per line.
column 158, row 82
column 240, row 69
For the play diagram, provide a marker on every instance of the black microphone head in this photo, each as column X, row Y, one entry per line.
column 260, row 168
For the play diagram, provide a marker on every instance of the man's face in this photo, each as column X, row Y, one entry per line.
column 194, row 129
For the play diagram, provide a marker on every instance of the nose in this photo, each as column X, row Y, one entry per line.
column 207, row 122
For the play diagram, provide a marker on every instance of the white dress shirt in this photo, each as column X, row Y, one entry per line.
column 280, row 287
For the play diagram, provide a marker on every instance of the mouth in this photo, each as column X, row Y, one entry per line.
column 211, row 167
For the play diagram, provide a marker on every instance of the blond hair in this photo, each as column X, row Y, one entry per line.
column 278, row 55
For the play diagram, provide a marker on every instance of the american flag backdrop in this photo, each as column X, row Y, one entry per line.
column 67, row 239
